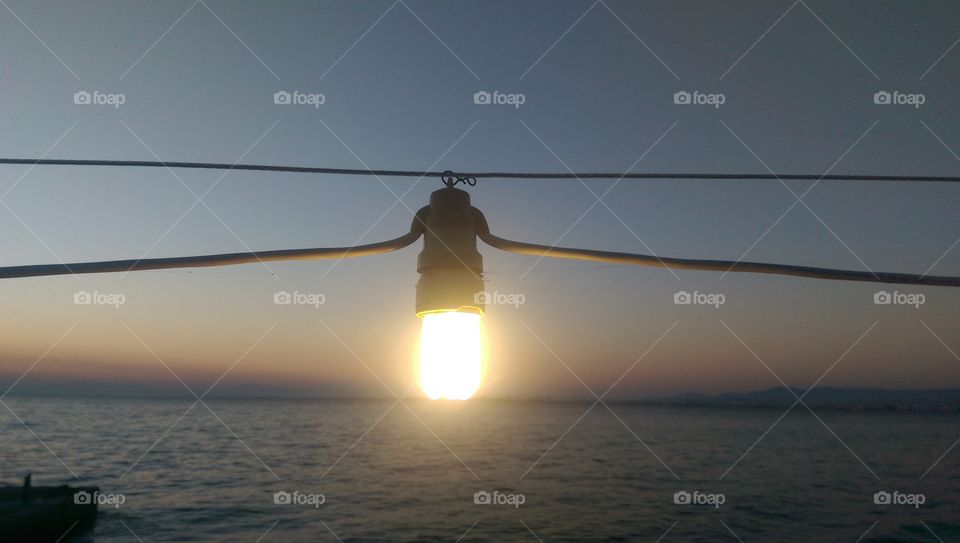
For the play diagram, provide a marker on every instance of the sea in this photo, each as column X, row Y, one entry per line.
column 263, row 470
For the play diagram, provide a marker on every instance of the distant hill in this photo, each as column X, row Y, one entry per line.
column 852, row 399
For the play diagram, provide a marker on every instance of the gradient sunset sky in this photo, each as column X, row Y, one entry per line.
column 399, row 80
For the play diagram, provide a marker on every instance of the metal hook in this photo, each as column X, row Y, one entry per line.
column 451, row 179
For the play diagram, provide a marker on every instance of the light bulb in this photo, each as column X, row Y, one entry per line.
column 450, row 355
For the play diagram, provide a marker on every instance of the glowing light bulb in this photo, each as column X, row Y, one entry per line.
column 450, row 355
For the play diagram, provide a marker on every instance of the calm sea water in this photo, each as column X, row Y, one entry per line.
column 410, row 471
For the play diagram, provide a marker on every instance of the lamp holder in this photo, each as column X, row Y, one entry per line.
column 450, row 267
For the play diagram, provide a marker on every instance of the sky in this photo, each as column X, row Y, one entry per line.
column 398, row 81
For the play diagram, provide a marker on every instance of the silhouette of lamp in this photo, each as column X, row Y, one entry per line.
column 450, row 297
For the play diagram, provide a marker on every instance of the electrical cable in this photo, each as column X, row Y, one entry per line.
column 226, row 259
column 532, row 249
column 475, row 175
column 546, row 251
